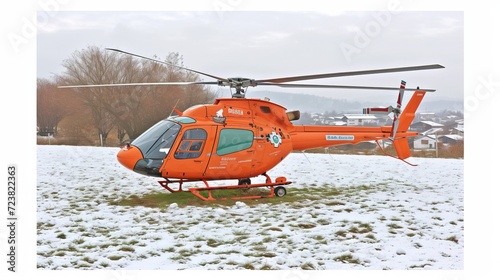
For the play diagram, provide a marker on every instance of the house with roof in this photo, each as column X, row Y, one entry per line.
column 359, row 120
column 424, row 142
column 336, row 121
column 423, row 126
column 426, row 116
column 459, row 128
column 451, row 139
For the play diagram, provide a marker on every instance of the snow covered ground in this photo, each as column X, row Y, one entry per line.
column 385, row 215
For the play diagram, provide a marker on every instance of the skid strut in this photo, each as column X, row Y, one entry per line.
column 276, row 188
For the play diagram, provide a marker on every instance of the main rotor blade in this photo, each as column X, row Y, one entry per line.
column 142, row 84
column 166, row 63
column 352, row 73
column 341, row 87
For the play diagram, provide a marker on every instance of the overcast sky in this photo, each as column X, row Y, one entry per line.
column 271, row 44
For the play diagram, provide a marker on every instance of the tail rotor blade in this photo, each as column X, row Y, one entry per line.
column 395, row 122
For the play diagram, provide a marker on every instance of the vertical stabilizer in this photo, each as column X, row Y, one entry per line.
column 408, row 114
column 403, row 124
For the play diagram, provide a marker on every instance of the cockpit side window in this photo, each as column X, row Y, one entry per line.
column 155, row 143
column 192, row 143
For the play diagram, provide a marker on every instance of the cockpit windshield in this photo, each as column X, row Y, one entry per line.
column 155, row 143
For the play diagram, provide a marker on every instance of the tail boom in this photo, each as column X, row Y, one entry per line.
column 309, row 136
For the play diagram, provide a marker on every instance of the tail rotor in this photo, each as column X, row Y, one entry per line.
column 397, row 111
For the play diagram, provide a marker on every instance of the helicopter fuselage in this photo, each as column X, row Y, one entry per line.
column 230, row 139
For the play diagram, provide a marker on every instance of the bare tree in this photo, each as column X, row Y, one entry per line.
column 130, row 109
column 92, row 66
column 51, row 107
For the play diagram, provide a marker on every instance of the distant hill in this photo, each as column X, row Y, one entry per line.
column 318, row 104
column 441, row 105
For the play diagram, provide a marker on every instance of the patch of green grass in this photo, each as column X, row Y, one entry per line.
column 323, row 222
column 60, row 254
column 260, row 248
column 104, row 246
column 188, row 252
column 334, row 203
column 79, row 241
column 364, row 228
column 268, row 239
column 61, row 236
column 308, row 266
column 159, row 199
column 89, row 260
column 248, row 265
column 127, row 249
column 267, row 254
column 341, row 233
column 306, row 225
column 213, row 243
column 394, row 226
column 347, row 258
column 371, row 236
column 266, row 267
column 453, row 239
column 115, row 258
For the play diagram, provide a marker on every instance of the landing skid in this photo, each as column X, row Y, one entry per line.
column 276, row 188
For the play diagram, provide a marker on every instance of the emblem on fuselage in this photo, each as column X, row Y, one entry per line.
column 274, row 139
column 219, row 116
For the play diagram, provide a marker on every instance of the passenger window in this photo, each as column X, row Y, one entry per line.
column 191, row 144
column 234, row 140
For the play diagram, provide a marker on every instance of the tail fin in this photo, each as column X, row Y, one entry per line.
column 403, row 123
column 408, row 114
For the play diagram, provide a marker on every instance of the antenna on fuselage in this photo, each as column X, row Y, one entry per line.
column 174, row 109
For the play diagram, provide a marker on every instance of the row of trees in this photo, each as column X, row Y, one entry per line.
column 128, row 110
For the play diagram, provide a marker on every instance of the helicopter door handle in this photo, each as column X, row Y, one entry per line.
column 197, row 160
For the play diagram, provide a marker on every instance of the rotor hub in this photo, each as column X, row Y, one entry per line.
column 239, row 84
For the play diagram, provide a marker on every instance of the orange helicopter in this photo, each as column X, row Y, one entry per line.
column 242, row 138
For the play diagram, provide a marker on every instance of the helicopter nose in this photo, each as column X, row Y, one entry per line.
column 128, row 156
